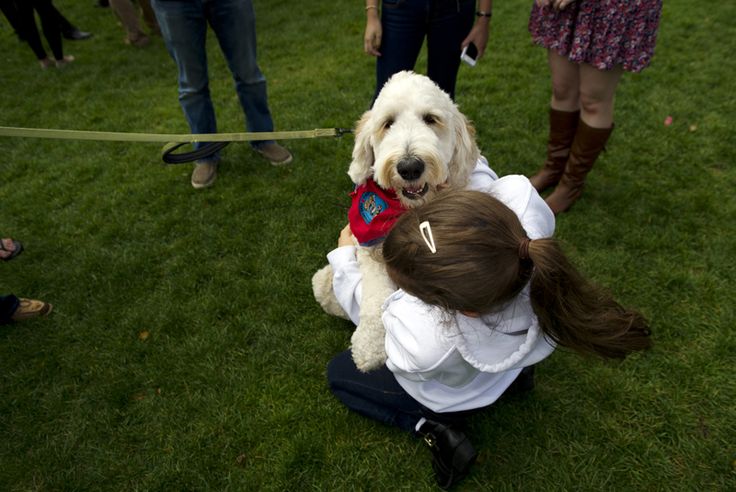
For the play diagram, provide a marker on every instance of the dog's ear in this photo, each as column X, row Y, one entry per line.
column 362, row 166
column 466, row 151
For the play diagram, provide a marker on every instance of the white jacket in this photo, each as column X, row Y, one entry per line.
column 448, row 361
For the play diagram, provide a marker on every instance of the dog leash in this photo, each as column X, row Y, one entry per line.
column 213, row 141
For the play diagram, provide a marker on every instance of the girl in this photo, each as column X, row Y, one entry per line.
column 590, row 43
column 484, row 294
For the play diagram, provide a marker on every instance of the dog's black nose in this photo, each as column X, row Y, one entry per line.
column 410, row 168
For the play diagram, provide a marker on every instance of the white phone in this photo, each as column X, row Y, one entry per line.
column 470, row 54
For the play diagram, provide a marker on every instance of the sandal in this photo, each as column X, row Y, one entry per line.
column 31, row 308
column 17, row 248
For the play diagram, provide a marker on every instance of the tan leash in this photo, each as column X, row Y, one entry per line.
column 173, row 141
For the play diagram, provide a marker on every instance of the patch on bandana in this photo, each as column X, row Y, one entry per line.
column 373, row 212
column 370, row 206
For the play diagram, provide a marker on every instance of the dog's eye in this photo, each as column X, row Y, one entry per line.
column 430, row 119
column 387, row 124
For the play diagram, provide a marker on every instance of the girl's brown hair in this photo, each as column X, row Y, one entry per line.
column 478, row 267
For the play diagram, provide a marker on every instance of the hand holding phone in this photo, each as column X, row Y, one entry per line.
column 470, row 54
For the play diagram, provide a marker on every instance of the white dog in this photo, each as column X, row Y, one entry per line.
column 415, row 142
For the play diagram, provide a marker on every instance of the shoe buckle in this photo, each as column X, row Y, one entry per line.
column 430, row 441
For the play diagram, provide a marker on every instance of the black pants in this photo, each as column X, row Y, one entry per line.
column 49, row 24
column 11, row 13
column 378, row 396
column 10, row 10
column 8, row 306
column 406, row 23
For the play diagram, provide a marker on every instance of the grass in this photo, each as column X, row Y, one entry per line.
column 186, row 351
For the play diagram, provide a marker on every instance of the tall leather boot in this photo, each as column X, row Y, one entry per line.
column 562, row 128
column 588, row 144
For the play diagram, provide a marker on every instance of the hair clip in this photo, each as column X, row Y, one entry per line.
column 426, row 231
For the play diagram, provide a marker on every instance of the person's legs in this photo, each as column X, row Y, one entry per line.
column 184, row 29
column 10, row 248
column 564, row 115
column 378, row 396
column 404, row 27
column 374, row 394
column 234, row 24
column 50, row 26
column 8, row 305
column 149, row 17
column 563, row 119
column 449, row 24
column 597, row 90
column 597, row 95
column 565, row 77
column 11, row 13
column 128, row 15
column 29, row 31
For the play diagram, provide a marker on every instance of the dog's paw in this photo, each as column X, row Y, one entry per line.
column 323, row 293
column 368, row 345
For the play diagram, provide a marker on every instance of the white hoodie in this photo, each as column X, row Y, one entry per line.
column 448, row 361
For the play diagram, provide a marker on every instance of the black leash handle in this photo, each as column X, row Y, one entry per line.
column 207, row 150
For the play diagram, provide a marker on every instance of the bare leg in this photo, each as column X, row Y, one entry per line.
column 565, row 83
column 597, row 95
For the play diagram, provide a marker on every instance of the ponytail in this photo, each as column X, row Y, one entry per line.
column 480, row 258
column 577, row 314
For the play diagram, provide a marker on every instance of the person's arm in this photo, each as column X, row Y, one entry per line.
column 373, row 29
column 347, row 280
column 478, row 35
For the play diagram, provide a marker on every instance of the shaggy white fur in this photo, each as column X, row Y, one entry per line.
column 414, row 141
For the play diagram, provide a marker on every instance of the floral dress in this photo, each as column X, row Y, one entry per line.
column 601, row 33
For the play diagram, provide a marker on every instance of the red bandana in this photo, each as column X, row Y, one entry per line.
column 373, row 212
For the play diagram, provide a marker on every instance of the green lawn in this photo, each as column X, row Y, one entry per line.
column 227, row 390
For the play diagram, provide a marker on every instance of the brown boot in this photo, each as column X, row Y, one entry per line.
column 589, row 143
column 562, row 127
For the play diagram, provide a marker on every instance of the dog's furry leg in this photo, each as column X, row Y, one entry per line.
column 368, row 340
column 324, row 293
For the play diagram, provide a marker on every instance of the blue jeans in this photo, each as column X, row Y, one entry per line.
column 184, row 29
column 378, row 396
column 406, row 23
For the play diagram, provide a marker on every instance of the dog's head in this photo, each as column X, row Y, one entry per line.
column 414, row 140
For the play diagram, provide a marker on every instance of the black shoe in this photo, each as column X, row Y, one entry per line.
column 453, row 453
column 76, row 35
column 103, row 3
